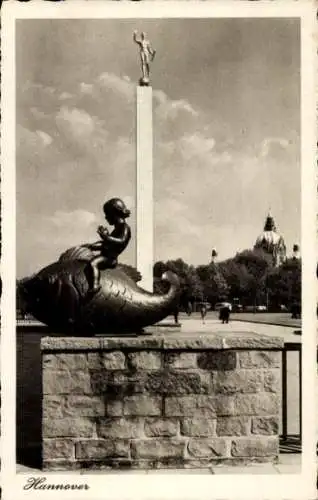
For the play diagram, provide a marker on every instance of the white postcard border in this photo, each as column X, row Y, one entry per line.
column 160, row 486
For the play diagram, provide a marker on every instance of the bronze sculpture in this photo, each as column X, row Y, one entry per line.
column 147, row 55
column 60, row 295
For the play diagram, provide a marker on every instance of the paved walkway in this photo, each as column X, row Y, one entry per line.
column 212, row 324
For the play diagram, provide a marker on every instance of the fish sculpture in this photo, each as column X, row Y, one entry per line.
column 59, row 297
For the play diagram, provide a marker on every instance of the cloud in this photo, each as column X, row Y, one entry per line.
column 65, row 95
column 274, row 146
column 199, row 173
column 35, row 95
column 167, row 109
column 173, row 118
column 173, row 224
column 75, row 122
column 46, row 138
column 86, row 88
column 122, row 87
column 196, row 145
column 76, row 218
column 76, row 148
column 33, row 144
column 38, row 115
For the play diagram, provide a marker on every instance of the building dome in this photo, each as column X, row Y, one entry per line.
column 271, row 242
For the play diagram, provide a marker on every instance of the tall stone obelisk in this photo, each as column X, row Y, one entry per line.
column 145, row 227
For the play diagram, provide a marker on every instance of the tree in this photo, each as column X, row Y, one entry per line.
column 284, row 283
column 237, row 278
column 159, row 286
column 277, row 289
column 159, row 268
column 193, row 285
column 190, row 283
column 256, row 261
column 21, row 305
column 215, row 287
column 246, row 274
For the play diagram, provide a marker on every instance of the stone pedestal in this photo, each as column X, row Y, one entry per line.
column 144, row 183
column 174, row 401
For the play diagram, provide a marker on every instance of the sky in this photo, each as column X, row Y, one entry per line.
column 226, row 119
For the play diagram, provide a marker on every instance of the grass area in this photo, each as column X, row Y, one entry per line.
column 280, row 319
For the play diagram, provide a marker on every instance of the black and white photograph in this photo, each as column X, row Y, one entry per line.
column 162, row 191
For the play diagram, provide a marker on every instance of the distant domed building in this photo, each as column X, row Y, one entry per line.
column 271, row 242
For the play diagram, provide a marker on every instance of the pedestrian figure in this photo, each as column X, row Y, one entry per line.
column 203, row 312
column 176, row 315
column 295, row 310
column 224, row 315
column 189, row 309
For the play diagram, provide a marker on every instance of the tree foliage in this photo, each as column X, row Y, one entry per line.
column 284, row 283
column 215, row 287
column 249, row 276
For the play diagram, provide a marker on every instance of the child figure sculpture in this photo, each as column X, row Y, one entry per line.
column 111, row 244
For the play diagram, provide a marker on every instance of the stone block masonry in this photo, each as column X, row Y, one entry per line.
column 180, row 400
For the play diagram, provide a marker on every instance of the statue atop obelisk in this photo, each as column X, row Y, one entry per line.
column 147, row 55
